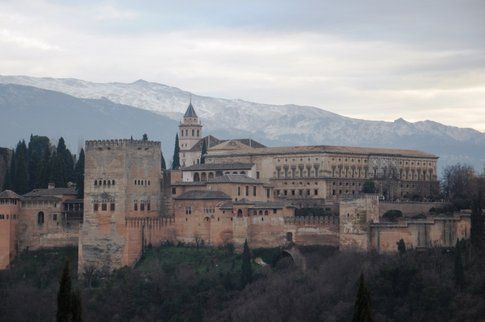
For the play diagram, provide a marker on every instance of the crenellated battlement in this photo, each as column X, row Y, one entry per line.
column 312, row 220
column 94, row 144
column 149, row 223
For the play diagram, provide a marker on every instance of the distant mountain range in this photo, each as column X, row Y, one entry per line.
column 101, row 110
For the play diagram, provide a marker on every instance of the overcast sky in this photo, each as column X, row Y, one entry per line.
column 368, row 59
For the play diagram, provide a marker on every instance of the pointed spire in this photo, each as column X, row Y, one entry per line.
column 190, row 109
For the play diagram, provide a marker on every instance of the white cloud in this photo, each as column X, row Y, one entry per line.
column 367, row 78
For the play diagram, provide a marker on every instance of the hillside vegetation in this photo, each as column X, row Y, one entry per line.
column 182, row 283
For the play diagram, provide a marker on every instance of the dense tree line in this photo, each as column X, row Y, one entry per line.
column 179, row 283
column 39, row 162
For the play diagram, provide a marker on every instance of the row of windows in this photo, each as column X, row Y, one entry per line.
column 346, row 183
column 3, row 216
column 209, row 210
column 41, row 217
column 144, row 205
column 299, row 192
column 104, row 182
column 104, row 206
column 8, row 201
column 247, row 190
column 142, row 182
column 186, row 131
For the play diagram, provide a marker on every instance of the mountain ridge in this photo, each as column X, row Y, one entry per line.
column 288, row 124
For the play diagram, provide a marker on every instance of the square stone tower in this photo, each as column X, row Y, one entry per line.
column 122, row 180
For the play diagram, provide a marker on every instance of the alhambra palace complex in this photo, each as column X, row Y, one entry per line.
column 239, row 190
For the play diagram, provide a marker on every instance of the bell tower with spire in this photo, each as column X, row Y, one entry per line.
column 190, row 133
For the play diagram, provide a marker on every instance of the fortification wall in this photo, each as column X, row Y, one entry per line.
column 432, row 232
column 8, row 241
column 409, row 208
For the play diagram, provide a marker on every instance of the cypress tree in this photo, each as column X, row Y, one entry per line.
column 176, row 152
column 38, row 145
column 458, row 272
column 76, row 306
column 21, row 175
column 163, row 165
column 45, row 173
column 79, row 173
column 476, row 230
column 246, row 269
column 145, row 137
column 362, row 306
column 10, row 179
column 401, row 247
column 203, row 152
column 64, row 295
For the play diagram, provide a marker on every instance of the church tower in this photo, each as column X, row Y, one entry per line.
column 190, row 133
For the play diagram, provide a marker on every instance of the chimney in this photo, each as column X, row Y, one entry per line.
column 51, row 185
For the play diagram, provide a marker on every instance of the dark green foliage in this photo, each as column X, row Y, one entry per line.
column 401, row 247
column 369, row 187
column 362, row 306
column 79, row 174
column 313, row 212
column 38, row 155
column 63, row 165
column 64, row 295
column 477, row 225
column 21, row 174
column 392, row 214
column 163, row 164
column 246, row 269
column 458, row 272
column 145, row 137
column 203, row 151
column 176, row 151
column 76, row 306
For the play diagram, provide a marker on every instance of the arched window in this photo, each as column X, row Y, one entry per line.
column 196, row 177
column 243, row 172
column 211, row 175
column 40, row 218
column 198, row 133
column 193, row 132
column 95, row 182
column 260, row 212
column 266, row 212
column 113, row 182
column 239, row 213
column 203, row 177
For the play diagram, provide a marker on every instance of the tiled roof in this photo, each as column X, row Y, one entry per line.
column 51, row 192
column 234, row 178
column 41, row 198
column 74, row 201
column 190, row 111
column 324, row 149
column 254, row 204
column 203, row 195
column 9, row 194
column 219, row 166
column 210, row 141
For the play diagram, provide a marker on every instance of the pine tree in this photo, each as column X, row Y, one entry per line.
column 21, row 175
column 362, row 306
column 176, row 152
column 458, row 272
column 163, row 165
column 476, row 231
column 79, row 173
column 64, row 295
column 203, row 152
column 246, row 269
column 76, row 306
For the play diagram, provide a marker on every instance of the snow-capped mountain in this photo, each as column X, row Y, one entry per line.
column 277, row 124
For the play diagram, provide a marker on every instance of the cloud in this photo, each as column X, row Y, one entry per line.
column 350, row 59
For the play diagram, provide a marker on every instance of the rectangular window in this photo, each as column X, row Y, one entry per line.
column 104, row 207
column 142, row 206
column 174, row 191
column 96, row 207
column 316, row 192
column 257, row 174
column 247, row 191
column 112, row 207
column 238, row 191
column 267, row 193
column 135, row 206
column 188, row 210
column 254, row 190
column 148, row 206
column 54, row 217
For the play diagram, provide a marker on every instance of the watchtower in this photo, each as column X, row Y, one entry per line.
column 122, row 180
